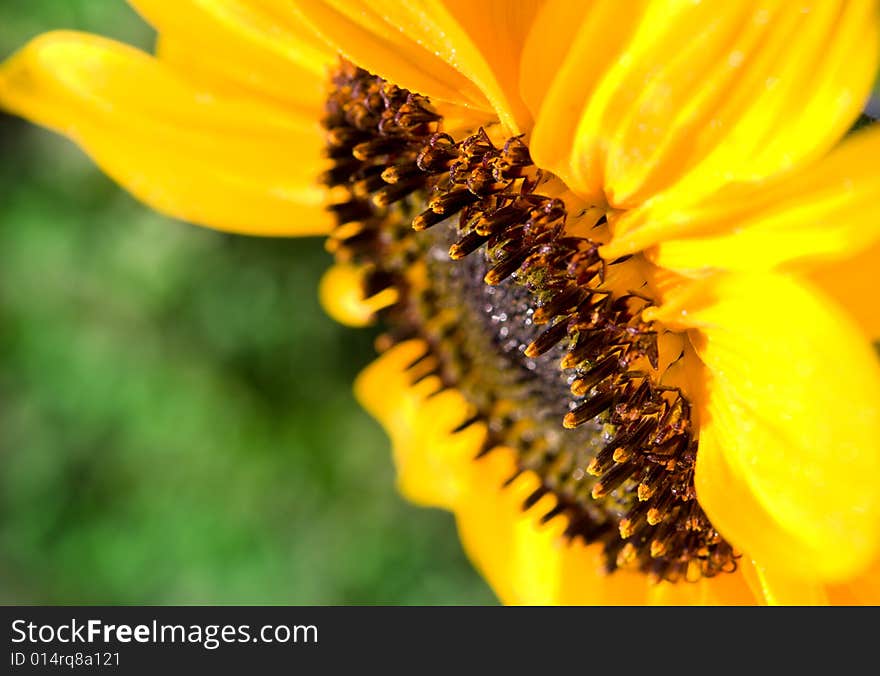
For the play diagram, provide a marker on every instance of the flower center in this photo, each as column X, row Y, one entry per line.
column 520, row 316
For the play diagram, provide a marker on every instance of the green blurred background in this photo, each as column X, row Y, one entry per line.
column 176, row 419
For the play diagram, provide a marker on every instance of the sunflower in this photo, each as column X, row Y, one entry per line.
column 622, row 253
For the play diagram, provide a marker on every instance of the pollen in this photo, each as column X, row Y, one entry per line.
column 477, row 245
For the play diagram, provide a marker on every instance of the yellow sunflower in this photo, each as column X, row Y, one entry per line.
column 623, row 253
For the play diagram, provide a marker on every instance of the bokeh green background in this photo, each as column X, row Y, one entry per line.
column 176, row 419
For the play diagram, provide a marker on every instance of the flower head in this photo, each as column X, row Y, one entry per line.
column 622, row 254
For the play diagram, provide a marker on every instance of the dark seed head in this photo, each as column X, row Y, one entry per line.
column 518, row 318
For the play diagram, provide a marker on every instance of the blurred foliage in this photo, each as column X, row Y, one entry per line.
column 176, row 422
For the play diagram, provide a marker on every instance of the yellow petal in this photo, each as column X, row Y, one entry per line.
column 726, row 589
column 861, row 591
column 680, row 98
column 550, row 39
column 342, row 294
column 233, row 164
column 825, row 212
column 495, row 31
column 428, row 47
column 523, row 562
column 527, row 563
column 789, row 445
column 568, row 57
column 432, row 461
column 781, row 589
column 852, row 284
column 244, row 48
